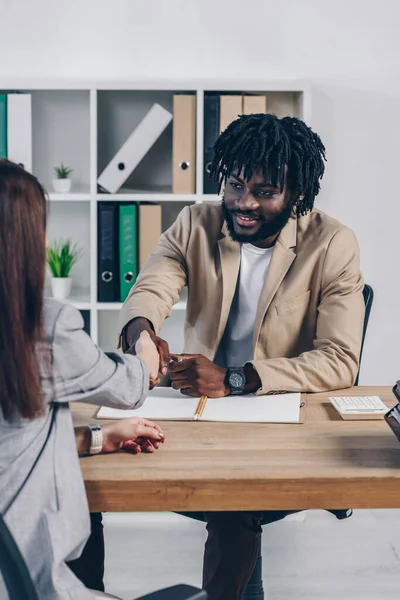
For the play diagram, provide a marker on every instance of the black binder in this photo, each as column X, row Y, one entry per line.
column 86, row 320
column 107, row 255
column 211, row 133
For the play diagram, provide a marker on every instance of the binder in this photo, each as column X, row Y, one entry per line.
column 230, row 109
column 3, row 125
column 107, row 256
column 254, row 104
column 134, row 149
column 184, row 144
column 150, row 230
column 211, row 133
column 128, row 259
column 86, row 320
column 19, row 129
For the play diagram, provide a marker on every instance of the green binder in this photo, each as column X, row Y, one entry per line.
column 3, row 125
column 128, row 248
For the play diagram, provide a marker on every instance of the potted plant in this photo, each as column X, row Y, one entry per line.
column 61, row 257
column 62, row 183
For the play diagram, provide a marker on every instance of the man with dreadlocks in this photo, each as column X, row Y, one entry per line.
column 274, row 298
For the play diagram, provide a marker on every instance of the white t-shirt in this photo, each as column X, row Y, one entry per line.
column 236, row 346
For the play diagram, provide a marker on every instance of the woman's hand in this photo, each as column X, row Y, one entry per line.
column 146, row 349
column 134, row 435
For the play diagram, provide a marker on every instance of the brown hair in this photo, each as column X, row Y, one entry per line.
column 22, row 274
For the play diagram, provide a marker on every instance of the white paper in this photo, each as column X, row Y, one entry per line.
column 168, row 404
column 279, row 408
column 161, row 403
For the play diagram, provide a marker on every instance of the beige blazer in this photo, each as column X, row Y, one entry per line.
column 309, row 320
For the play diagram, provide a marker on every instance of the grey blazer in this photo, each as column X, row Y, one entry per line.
column 49, row 517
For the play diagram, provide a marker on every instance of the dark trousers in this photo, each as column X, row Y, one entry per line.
column 232, row 556
column 232, row 550
column 89, row 567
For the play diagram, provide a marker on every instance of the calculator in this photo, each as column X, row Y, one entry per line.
column 359, row 407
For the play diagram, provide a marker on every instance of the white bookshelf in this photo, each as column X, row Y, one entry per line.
column 82, row 124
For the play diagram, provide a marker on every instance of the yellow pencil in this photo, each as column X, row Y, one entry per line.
column 200, row 407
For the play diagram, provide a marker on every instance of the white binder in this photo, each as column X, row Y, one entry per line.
column 19, row 129
column 135, row 148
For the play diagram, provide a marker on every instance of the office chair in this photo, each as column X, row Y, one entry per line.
column 19, row 584
column 368, row 294
column 15, row 573
column 254, row 588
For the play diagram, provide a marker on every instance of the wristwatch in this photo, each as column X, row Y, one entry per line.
column 96, row 441
column 236, row 380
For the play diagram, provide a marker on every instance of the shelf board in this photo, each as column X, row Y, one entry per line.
column 208, row 198
column 181, row 305
column 211, row 84
column 77, row 194
column 80, row 299
column 69, row 197
column 109, row 305
column 147, row 197
column 144, row 197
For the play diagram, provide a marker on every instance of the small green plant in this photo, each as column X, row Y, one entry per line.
column 62, row 172
column 61, row 257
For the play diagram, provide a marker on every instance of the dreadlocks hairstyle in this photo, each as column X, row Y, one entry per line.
column 263, row 142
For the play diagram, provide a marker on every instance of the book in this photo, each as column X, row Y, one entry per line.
column 134, row 149
column 211, row 133
column 254, row 104
column 184, row 144
column 107, row 255
column 150, row 229
column 19, row 129
column 231, row 107
column 3, row 125
column 128, row 248
column 168, row 404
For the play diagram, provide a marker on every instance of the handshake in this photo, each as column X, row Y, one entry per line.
column 192, row 374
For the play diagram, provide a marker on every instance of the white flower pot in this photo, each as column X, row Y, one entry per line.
column 62, row 186
column 61, row 287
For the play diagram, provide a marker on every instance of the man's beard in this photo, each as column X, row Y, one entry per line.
column 266, row 230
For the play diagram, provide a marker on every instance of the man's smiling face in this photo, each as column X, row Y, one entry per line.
column 256, row 210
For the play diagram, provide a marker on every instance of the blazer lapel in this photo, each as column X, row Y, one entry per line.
column 281, row 261
column 229, row 252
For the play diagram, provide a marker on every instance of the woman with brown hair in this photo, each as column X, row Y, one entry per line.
column 47, row 361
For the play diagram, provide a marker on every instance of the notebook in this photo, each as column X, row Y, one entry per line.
column 167, row 404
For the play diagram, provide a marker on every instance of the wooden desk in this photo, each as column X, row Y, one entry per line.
column 324, row 463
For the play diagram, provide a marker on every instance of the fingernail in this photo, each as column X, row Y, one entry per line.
column 160, row 435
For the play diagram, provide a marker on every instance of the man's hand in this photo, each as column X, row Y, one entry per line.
column 196, row 375
column 133, row 435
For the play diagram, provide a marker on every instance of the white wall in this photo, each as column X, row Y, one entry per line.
column 347, row 49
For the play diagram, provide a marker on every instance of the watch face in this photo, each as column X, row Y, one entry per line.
column 237, row 380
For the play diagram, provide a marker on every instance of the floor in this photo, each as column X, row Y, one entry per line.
column 307, row 556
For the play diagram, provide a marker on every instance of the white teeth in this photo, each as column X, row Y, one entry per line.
column 246, row 218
